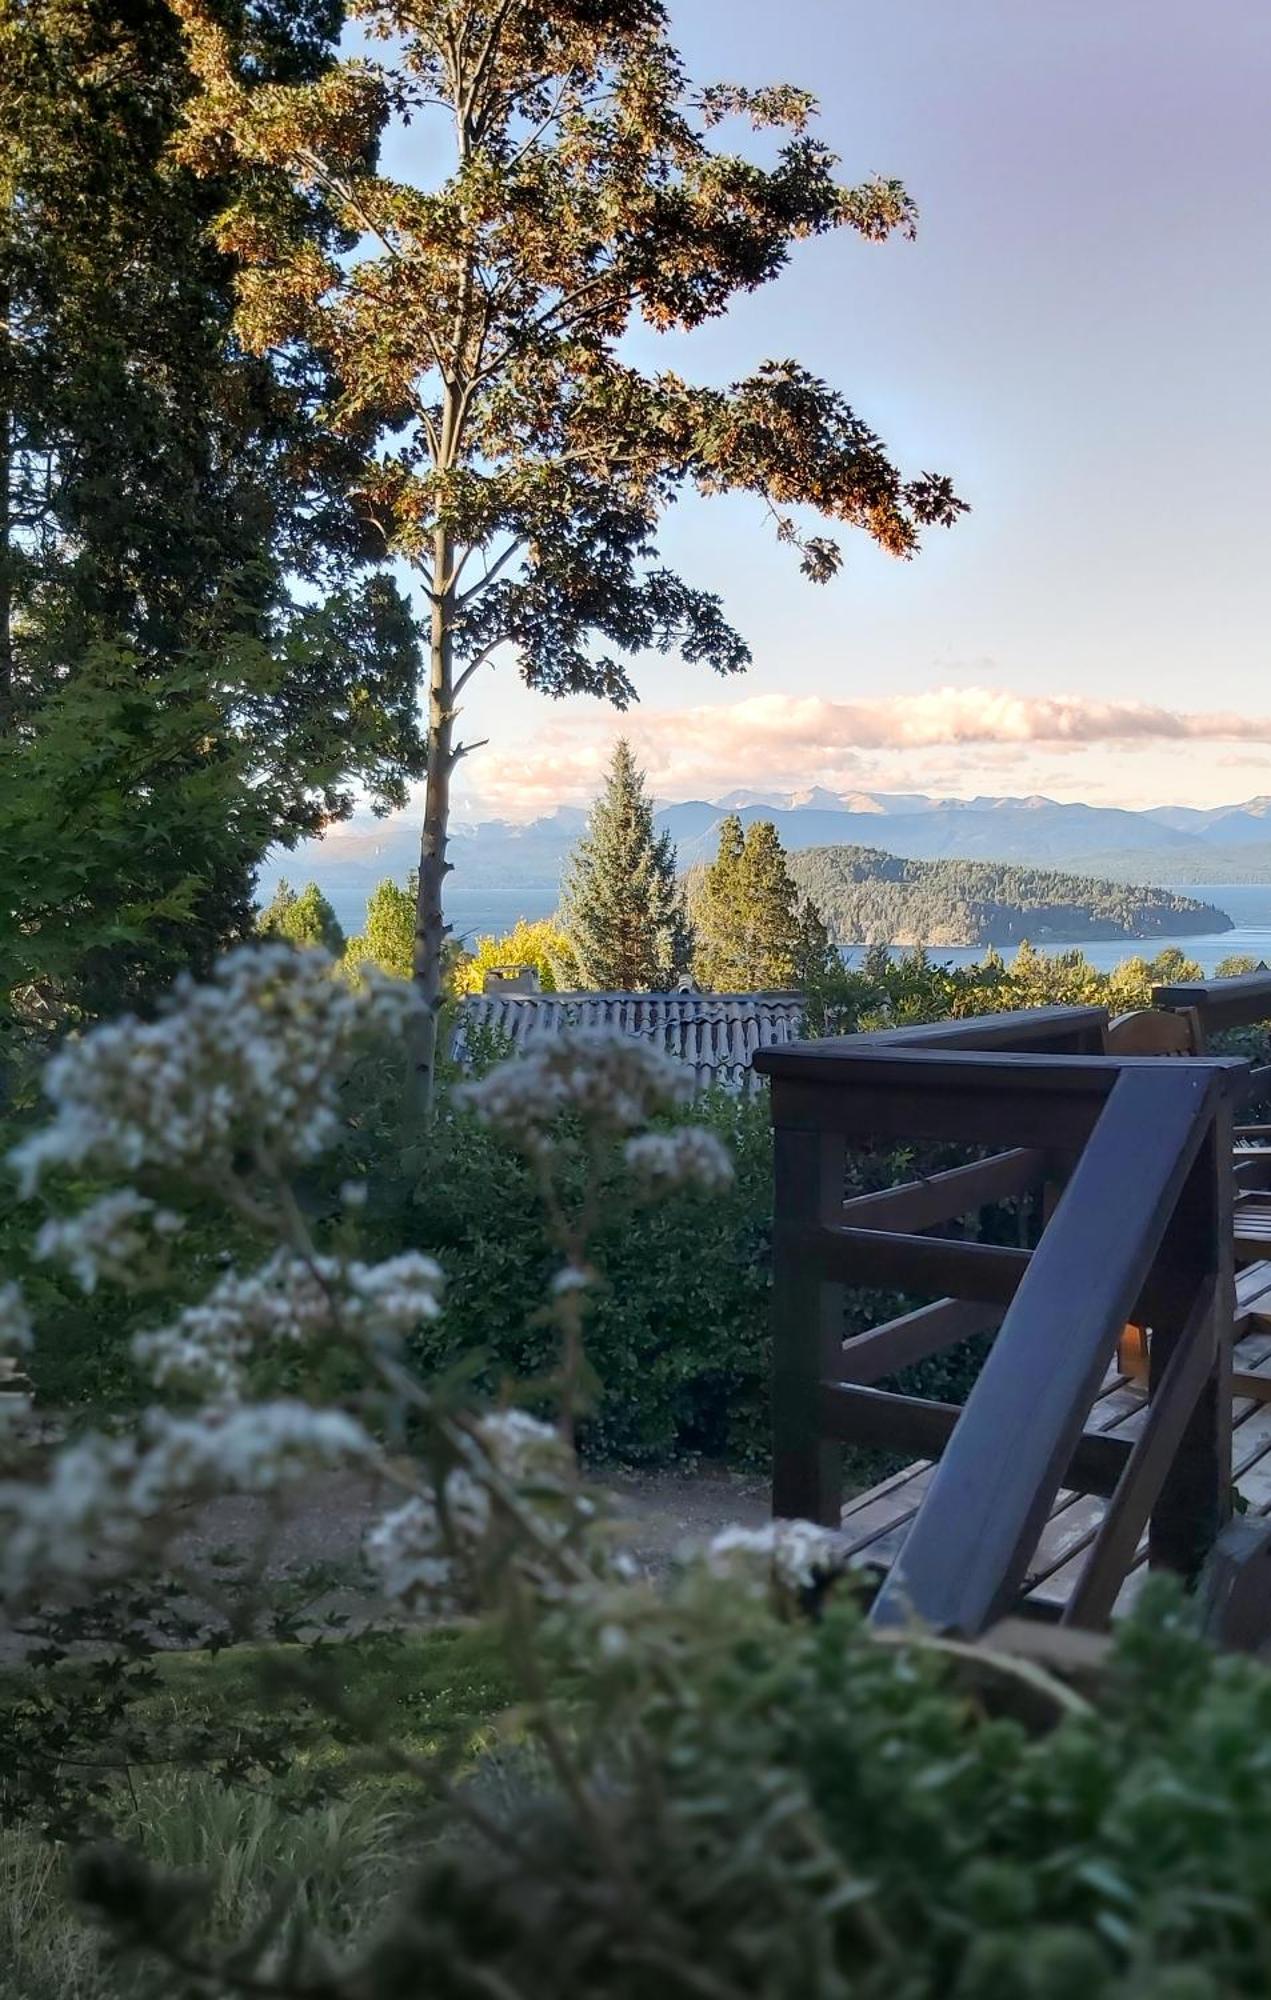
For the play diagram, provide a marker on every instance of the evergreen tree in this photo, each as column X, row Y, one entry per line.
column 754, row 931
column 304, row 919
column 168, row 709
column 623, row 909
column 567, row 187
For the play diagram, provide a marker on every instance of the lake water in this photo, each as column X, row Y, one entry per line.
column 1248, row 904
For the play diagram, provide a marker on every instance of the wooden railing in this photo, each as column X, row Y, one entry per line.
column 1131, row 1162
column 1218, row 1004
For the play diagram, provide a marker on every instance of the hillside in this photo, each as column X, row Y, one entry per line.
column 866, row 896
column 519, row 863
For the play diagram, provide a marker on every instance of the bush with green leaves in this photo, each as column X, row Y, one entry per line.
column 717, row 1786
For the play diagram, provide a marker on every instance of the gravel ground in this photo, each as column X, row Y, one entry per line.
column 660, row 1513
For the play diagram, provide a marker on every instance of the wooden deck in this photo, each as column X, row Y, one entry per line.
column 876, row 1522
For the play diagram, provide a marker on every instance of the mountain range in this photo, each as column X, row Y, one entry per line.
column 504, row 862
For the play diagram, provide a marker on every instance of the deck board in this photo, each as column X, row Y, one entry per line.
column 877, row 1521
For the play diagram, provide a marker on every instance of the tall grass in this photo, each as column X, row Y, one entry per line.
column 338, row 1862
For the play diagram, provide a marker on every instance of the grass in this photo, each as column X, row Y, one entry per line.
column 338, row 1858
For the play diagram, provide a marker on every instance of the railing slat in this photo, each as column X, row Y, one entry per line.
column 866, row 1416
column 967, row 1553
column 988, row 1272
column 1154, row 1450
column 942, row 1197
column 898, row 1343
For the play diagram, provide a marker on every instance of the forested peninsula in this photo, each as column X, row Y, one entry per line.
column 868, row 897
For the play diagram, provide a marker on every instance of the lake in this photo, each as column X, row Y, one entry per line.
column 1248, row 904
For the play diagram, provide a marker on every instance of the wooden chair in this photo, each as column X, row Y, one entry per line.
column 1149, row 1031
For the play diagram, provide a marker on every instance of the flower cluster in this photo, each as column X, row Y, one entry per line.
column 108, row 1238
column 289, row 1299
column 106, row 1496
column 433, row 1547
column 612, row 1083
column 689, row 1156
column 790, row 1556
column 250, row 1060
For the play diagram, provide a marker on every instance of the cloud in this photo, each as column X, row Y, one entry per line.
column 790, row 741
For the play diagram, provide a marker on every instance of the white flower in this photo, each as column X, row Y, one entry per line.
column 254, row 1056
column 389, row 1301
column 205, row 1347
column 571, row 1279
column 105, row 1496
column 690, row 1156
column 612, row 1082
column 16, row 1330
column 793, row 1554
column 406, row 1552
column 432, row 1546
column 252, row 1449
column 288, row 1299
column 81, row 1514
column 108, row 1238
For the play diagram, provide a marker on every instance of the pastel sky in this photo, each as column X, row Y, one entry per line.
column 1080, row 336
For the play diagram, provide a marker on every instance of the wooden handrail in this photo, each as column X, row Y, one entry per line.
column 965, row 1558
column 1219, row 1003
column 1126, row 1161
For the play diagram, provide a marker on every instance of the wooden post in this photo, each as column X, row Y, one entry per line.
column 1194, row 1502
column 807, row 1322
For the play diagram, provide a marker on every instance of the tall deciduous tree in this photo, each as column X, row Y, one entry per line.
column 161, row 490
column 623, row 909
column 567, row 187
column 753, row 930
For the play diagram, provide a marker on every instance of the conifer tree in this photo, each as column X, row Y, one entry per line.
column 623, row 909
column 567, row 186
column 304, row 919
column 754, row 932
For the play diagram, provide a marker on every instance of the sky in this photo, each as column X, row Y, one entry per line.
column 1079, row 336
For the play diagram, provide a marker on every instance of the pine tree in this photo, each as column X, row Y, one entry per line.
column 754, row 932
column 304, row 919
column 623, row 909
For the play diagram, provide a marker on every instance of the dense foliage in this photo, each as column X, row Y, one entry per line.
column 565, row 187
column 301, row 918
column 866, row 896
column 193, row 661
column 753, row 930
column 622, row 907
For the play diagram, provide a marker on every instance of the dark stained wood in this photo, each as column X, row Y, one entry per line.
column 1173, row 1400
column 988, row 1272
column 1220, row 1003
column 898, row 1343
column 910, row 1423
column 1042, row 1030
column 1195, row 1497
column 941, row 1197
column 876, row 1110
column 968, row 1550
column 809, row 1178
column 1237, row 1586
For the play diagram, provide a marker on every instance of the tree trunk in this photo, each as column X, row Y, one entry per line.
column 430, row 923
column 6, row 505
